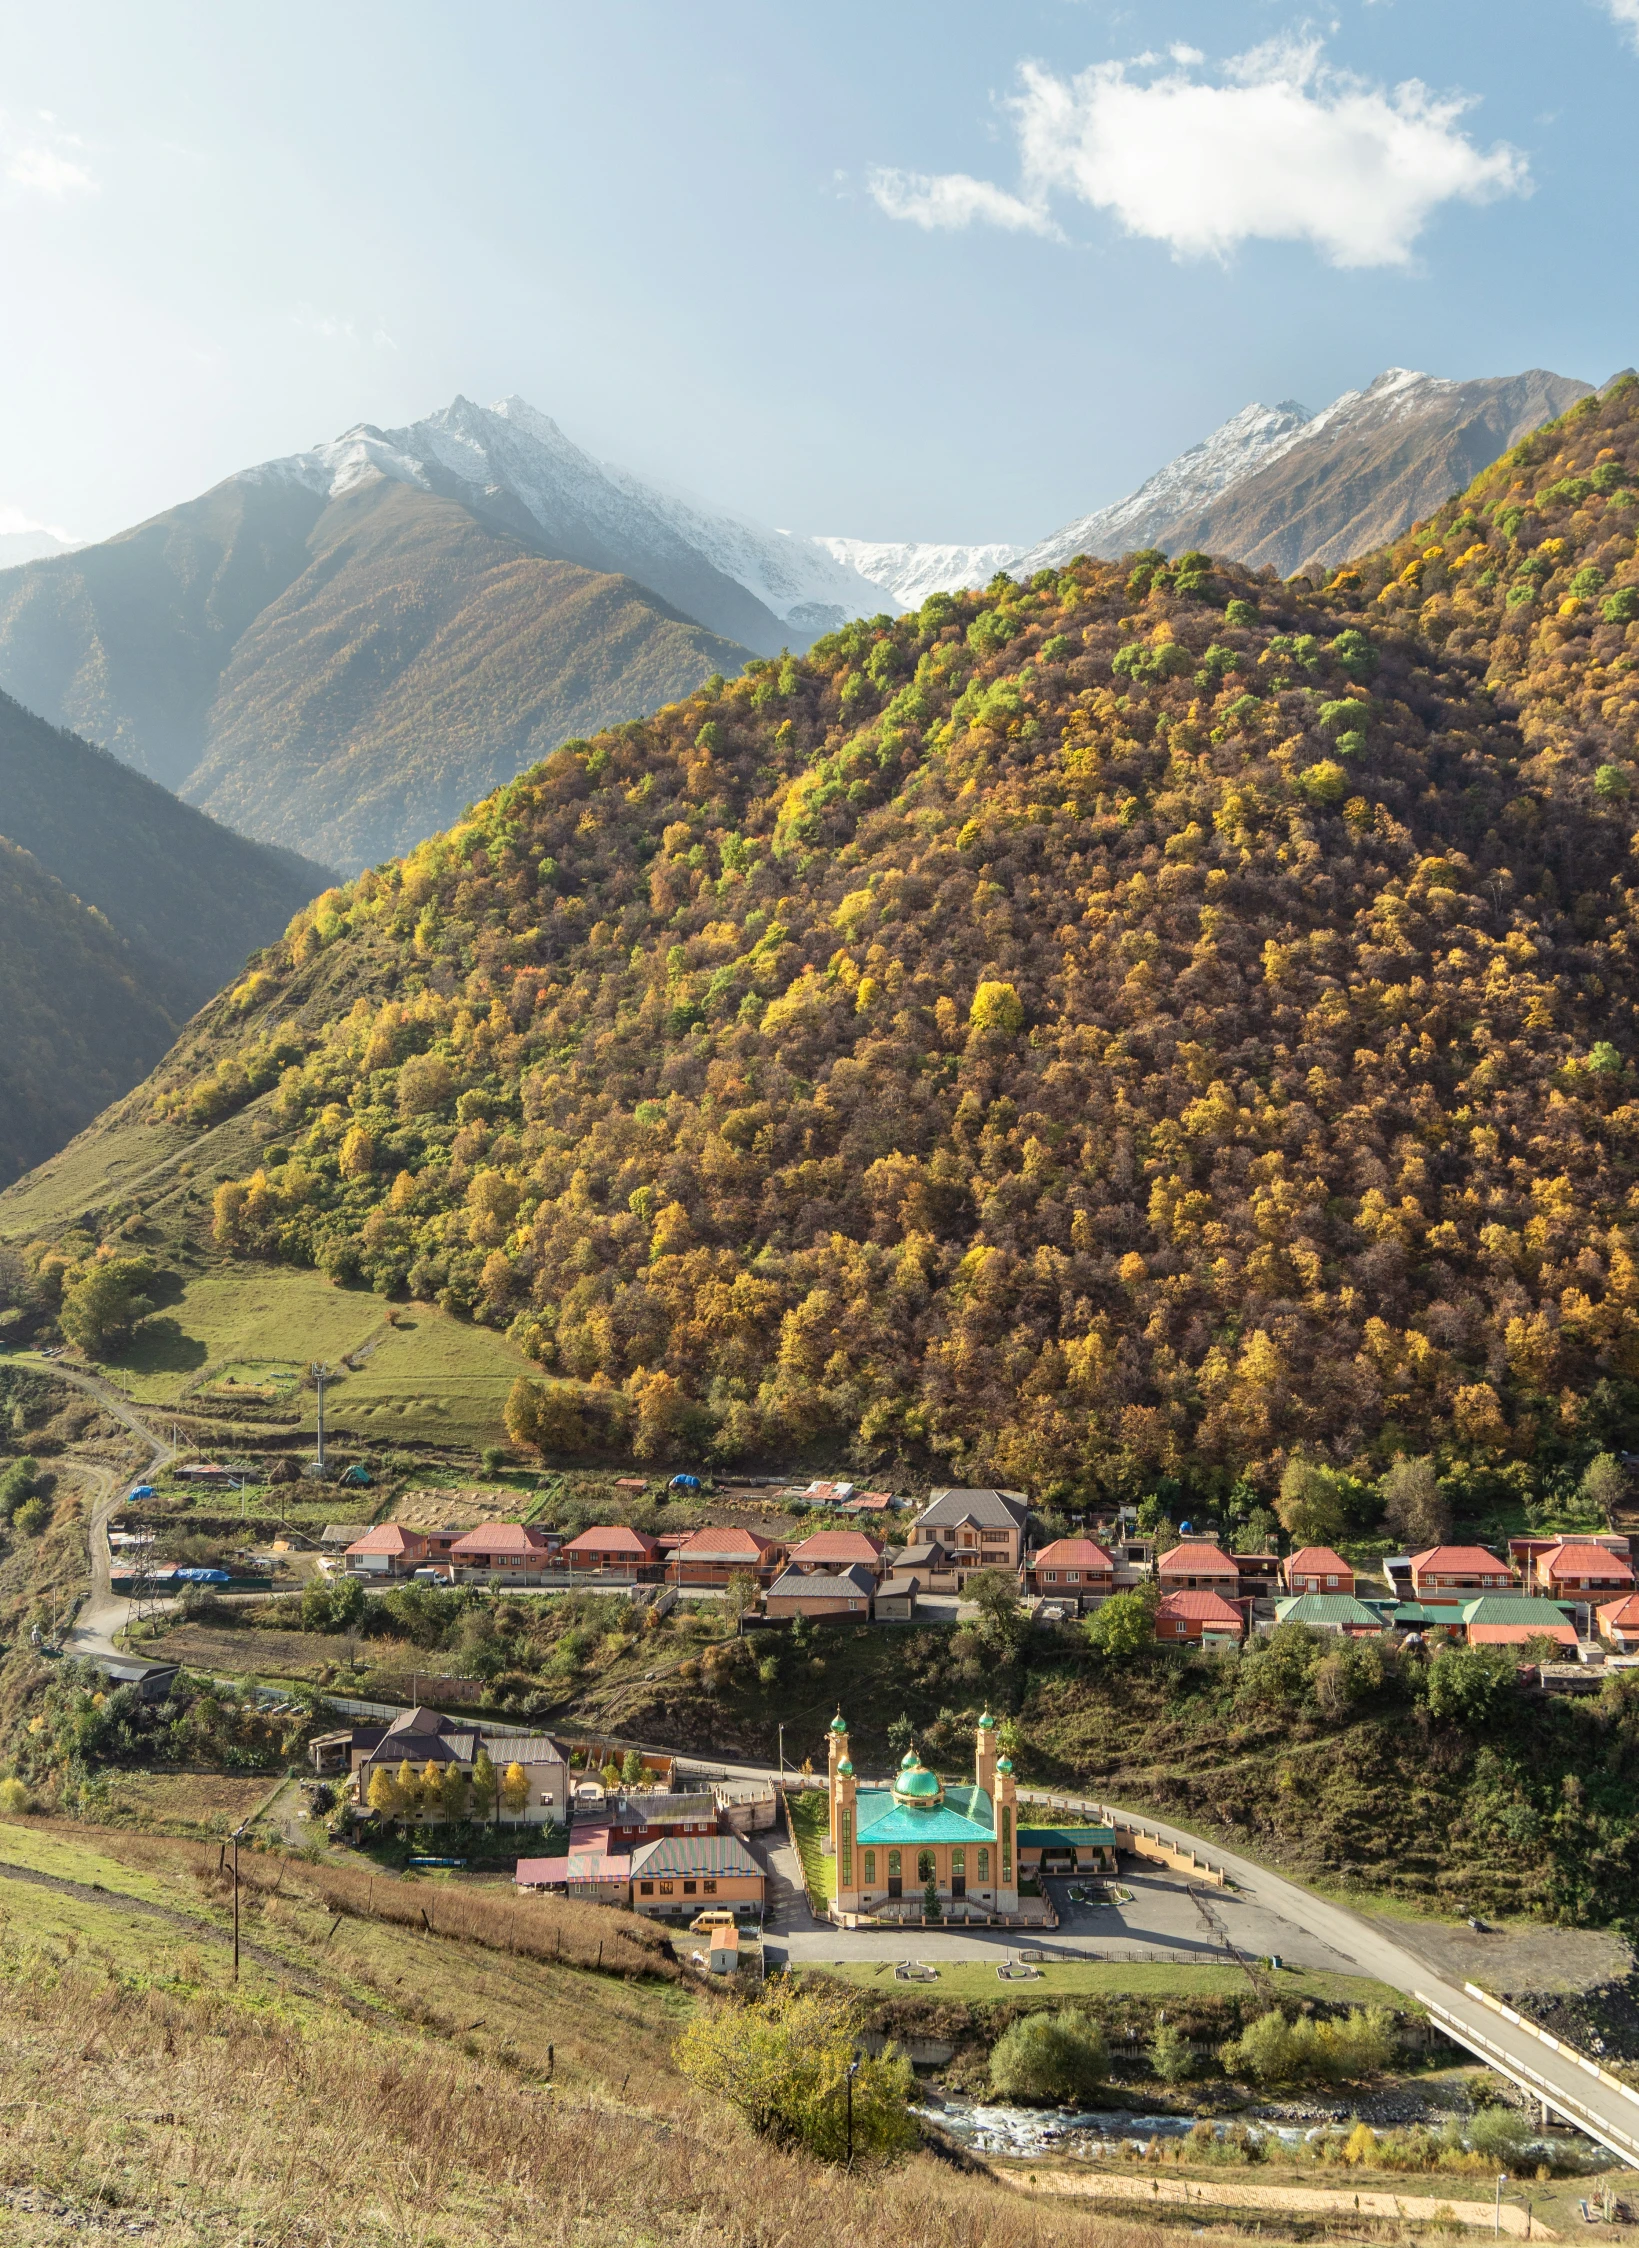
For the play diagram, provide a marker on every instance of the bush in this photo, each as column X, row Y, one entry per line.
column 31, row 1518
column 1172, row 2056
column 1503, row 2135
column 1306, row 2051
column 332, row 1603
column 14, row 1799
column 783, row 2061
column 1058, row 2057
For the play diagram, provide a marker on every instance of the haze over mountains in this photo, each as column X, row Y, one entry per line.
column 339, row 649
column 121, row 911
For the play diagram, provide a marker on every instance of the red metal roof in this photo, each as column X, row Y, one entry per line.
column 613, row 1537
column 1073, row 1553
column 500, row 1537
column 389, row 1537
column 1449, row 1560
column 1621, row 1615
column 1317, row 1561
column 1516, row 1635
column 1198, row 1559
column 1198, row 1607
column 751, row 1543
column 837, row 1545
column 1579, row 1557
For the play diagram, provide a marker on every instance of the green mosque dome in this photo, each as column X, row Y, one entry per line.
column 839, row 1724
column 909, row 1761
column 918, row 1789
column 845, row 1770
column 1006, row 1764
column 987, row 1724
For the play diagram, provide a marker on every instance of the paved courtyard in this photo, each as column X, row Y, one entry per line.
column 1162, row 1922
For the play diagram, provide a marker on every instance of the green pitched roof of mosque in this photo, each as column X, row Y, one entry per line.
column 964, row 1816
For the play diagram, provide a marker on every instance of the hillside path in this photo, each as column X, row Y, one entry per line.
column 105, row 1612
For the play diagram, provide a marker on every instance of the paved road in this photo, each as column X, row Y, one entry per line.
column 1264, row 1912
column 104, row 1612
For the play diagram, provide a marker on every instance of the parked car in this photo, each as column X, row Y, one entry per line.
column 718, row 1917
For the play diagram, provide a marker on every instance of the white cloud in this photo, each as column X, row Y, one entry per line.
column 13, row 521
column 1625, row 15
column 1280, row 148
column 44, row 163
column 953, row 199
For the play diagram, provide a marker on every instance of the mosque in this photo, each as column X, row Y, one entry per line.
column 891, row 1841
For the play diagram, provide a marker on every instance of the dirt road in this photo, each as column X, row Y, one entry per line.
column 104, row 1612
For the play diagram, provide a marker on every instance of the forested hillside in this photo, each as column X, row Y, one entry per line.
column 1149, row 1019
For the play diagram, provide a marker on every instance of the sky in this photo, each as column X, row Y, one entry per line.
column 892, row 270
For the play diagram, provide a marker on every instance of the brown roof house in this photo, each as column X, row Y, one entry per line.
column 1445, row 1576
column 614, row 1551
column 984, row 1529
column 838, row 1549
column 1317, row 1569
column 1196, row 1566
column 389, row 1550
column 502, row 1553
column 1200, row 1615
column 428, row 1742
column 711, row 1557
column 1074, row 1569
column 847, row 1596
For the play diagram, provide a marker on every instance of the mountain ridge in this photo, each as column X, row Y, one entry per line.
column 1149, row 1021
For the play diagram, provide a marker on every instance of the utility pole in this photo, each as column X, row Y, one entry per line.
column 782, row 1754
column 853, row 2071
column 320, row 1374
column 237, row 1832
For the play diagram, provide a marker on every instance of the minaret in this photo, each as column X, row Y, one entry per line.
column 836, row 1753
column 984, row 1757
column 846, row 1830
column 1006, row 1802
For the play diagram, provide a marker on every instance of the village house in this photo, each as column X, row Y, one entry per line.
column 1196, row 1566
column 1329, row 1611
column 507, row 1553
column 847, row 1595
column 592, row 1868
column 890, row 1842
column 920, row 1568
column 1619, row 1623
column 984, row 1529
column 1317, row 1569
column 711, row 1557
column 1259, row 1574
column 388, row 1550
column 421, row 1737
column 1074, row 1569
column 1578, row 1569
column 837, row 1549
column 683, row 1874
column 614, row 1551
column 1511, row 1619
column 1198, row 1614
column 1447, row 1575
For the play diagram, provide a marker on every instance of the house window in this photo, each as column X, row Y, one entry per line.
column 1331, row 1580
column 870, row 1867
column 646, row 1888
column 1072, row 1576
column 925, row 1869
column 984, row 1865
column 689, row 1888
column 1007, row 1843
column 666, row 1888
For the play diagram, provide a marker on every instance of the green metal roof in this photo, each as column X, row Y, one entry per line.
column 964, row 1816
column 1327, row 1608
column 1406, row 1615
column 1516, row 1608
column 1064, row 1838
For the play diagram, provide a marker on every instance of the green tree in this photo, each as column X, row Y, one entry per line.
column 1123, row 1625
column 1172, row 2056
column 453, row 1791
column 997, row 1009
column 631, row 1769
column 483, row 1784
column 930, row 1899
column 1414, row 1506
column 1311, row 1505
column 545, row 1416
column 31, row 1518
column 332, row 1603
column 783, row 2058
column 106, row 1302
column 1257, row 1533
column 901, row 1735
column 1058, row 2057
column 1604, row 1486
column 17, row 1485
column 995, row 1593
column 1472, row 1686
column 741, row 1593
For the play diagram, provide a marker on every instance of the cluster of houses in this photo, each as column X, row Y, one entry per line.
column 851, row 1573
